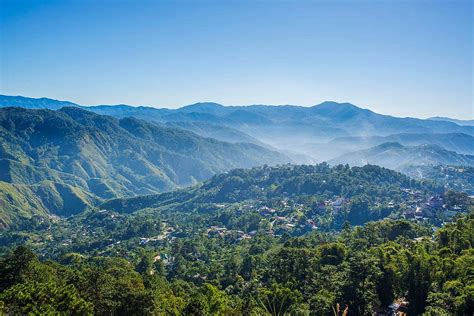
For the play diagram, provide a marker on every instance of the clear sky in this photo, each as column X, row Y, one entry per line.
column 405, row 58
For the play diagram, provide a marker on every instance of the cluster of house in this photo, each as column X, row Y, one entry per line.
column 266, row 211
column 216, row 231
column 87, row 230
column 163, row 257
column 418, row 207
column 286, row 223
column 166, row 234
column 335, row 204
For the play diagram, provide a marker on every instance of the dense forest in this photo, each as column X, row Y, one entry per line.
column 381, row 266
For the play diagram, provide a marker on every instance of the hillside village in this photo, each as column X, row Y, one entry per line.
column 290, row 218
column 297, row 219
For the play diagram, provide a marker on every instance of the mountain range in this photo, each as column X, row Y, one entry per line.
column 289, row 128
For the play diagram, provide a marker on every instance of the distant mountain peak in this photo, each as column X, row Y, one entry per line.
column 214, row 104
column 340, row 111
column 203, row 105
column 389, row 145
column 33, row 103
column 336, row 104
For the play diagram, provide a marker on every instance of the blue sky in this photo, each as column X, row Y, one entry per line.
column 405, row 58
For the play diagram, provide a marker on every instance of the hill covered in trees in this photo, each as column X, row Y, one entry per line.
column 458, row 142
column 457, row 178
column 282, row 182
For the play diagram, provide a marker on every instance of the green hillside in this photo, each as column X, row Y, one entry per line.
column 109, row 157
column 22, row 203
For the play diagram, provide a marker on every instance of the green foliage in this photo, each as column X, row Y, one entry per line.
column 361, row 270
column 278, row 300
column 44, row 298
column 287, row 240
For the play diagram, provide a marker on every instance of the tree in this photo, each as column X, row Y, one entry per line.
column 16, row 267
column 208, row 300
column 333, row 253
column 278, row 300
column 145, row 265
column 44, row 298
column 419, row 280
column 359, row 291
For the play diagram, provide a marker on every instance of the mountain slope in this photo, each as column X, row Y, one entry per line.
column 219, row 132
column 19, row 202
column 112, row 157
column 88, row 146
column 397, row 156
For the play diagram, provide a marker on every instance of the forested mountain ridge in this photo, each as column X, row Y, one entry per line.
column 33, row 103
column 291, row 199
column 109, row 157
